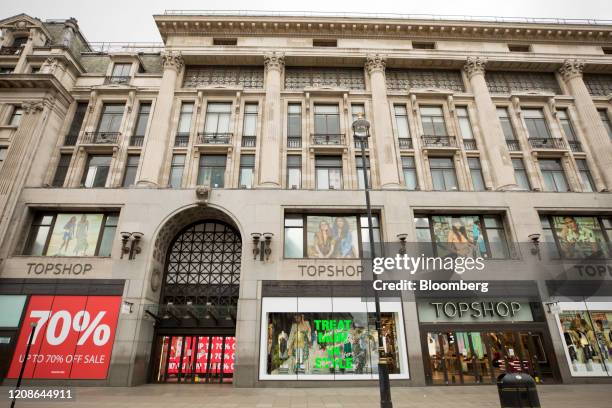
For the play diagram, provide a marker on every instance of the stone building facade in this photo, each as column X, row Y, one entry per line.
column 197, row 208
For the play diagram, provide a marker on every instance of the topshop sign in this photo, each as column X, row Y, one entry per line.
column 474, row 311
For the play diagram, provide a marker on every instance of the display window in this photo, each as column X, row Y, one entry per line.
column 329, row 339
column 586, row 329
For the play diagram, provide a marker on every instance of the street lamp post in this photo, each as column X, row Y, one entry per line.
column 361, row 132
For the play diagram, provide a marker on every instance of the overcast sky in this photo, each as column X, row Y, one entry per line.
column 131, row 21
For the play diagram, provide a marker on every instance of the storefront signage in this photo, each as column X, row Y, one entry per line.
column 60, row 269
column 329, row 271
column 73, row 338
column 474, row 311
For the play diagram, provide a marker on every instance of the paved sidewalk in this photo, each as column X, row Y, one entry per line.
column 218, row 396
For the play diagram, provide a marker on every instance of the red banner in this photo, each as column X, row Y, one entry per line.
column 73, row 337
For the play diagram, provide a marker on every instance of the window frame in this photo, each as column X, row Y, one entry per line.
column 554, row 172
column 327, row 167
column 553, row 231
column 476, row 170
column 585, row 172
column 326, row 117
column 16, row 116
column 174, row 166
column 87, row 166
column 243, row 166
column 202, row 165
column 431, row 117
column 522, row 169
column 54, row 182
column 128, row 166
column 444, row 170
column 294, row 167
column 412, row 167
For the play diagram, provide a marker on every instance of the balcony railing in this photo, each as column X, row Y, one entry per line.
column 101, row 138
column 214, row 138
column 358, row 143
column 513, row 145
column 470, row 144
column 575, row 146
column 136, row 140
column 10, row 50
column 249, row 141
column 122, row 80
column 71, row 139
column 181, row 140
column 439, row 141
column 547, row 143
column 328, row 139
column 405, row 143
column 294, row 142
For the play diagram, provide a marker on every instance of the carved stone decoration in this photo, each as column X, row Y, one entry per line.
column 274, row 61
column 156, row 279
column 474, row 66
column 571, row 68
column 375, row 63
column 598, row 84
column 202, row 195
column 248, row 77
column 324, row 77
column 406, row 79
column 517, row 81
column 172, row 60
column 49, row 66
column 32, row 107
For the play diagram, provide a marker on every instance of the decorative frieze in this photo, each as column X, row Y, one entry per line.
column 511, row 81
column 474, row 66
column 598, row 84
column 248, row 77
column 571, row 69
column 172, row 60
column 405, row 79
column 323, row 77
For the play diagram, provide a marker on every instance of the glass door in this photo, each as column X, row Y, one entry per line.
column 444, row 358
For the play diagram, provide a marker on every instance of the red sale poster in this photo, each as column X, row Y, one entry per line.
column 73, row 337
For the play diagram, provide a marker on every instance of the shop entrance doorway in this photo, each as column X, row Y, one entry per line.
column 479, row 357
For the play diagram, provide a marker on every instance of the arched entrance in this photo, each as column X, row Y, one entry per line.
column 196, row 320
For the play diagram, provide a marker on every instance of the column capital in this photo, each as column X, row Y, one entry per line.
column 375, row 62
column 33, row 107
column 173, row 60
column 571, row 68
column 474, row 66
column 274, row 61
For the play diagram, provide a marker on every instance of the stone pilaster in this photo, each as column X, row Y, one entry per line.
column 494, row 149
column 386, row 156
column 156, row 144
column 269, row 166
column 589, row 121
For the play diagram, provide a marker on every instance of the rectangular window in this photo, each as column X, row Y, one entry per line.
column 225, row 41
column 536, row 124
column 585, row 175
column 184, row 125
column 464, row 235
column 605, row 119
column 476, row 173
column 131, row 167
column 142, row 120
column 294, row 171
column 359, row 165
column 553, row 174
column 247, row 169
column 294, row 125
column 3, row 152
column 62, row 170
column 212, row 170
column 329, row 236
column 410, row 174
column 324, row 43
column 326, row 120
column 443, row 173
column 423, row 45
column 577, row 237
column 249, row 126
column 506, row 124
column 72, row 234
column 432, row 118
column 121, row 70
column 96, row 171
column 464, row 123
column 110, row 121
column 518, row 48
column 401, row 121
column 176, row 170
column 16, row 115
column 76, row 124
column 566, row 124
column 520, row 173
column 328, row 172
column 218, row 116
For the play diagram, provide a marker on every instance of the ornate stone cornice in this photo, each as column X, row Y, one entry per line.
column 375, row 63
column 571, row 68
column 172, row 60
column 475, row 65
column 274, row 61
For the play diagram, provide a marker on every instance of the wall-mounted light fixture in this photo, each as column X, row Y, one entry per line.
column 402, row 239
column 262, row 247
column 535, row 244
column 132, row 248
column 127, row 307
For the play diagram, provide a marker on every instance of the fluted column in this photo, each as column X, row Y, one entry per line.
column 386, row 157
column 269, row 162
column 495, row 148
column 156, row 144
column 589, row 121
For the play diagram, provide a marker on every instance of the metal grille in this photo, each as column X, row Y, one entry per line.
column 248, row 77
column 598, row 84
column 403, row 79
column 317, row 77
column 508, row 82
column 203, row 266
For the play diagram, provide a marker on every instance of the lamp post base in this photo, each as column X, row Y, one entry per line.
column 385, row 386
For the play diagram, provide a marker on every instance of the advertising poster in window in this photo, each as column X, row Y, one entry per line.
column 332, row 237
column 75, row 235
column 459, row 236
column 579, row 236
column 73, row 338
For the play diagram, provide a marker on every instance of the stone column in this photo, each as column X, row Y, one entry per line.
column 386, row 157
column 156, row 144
column 269, row 160
column 589, row 121
column 494, row 143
